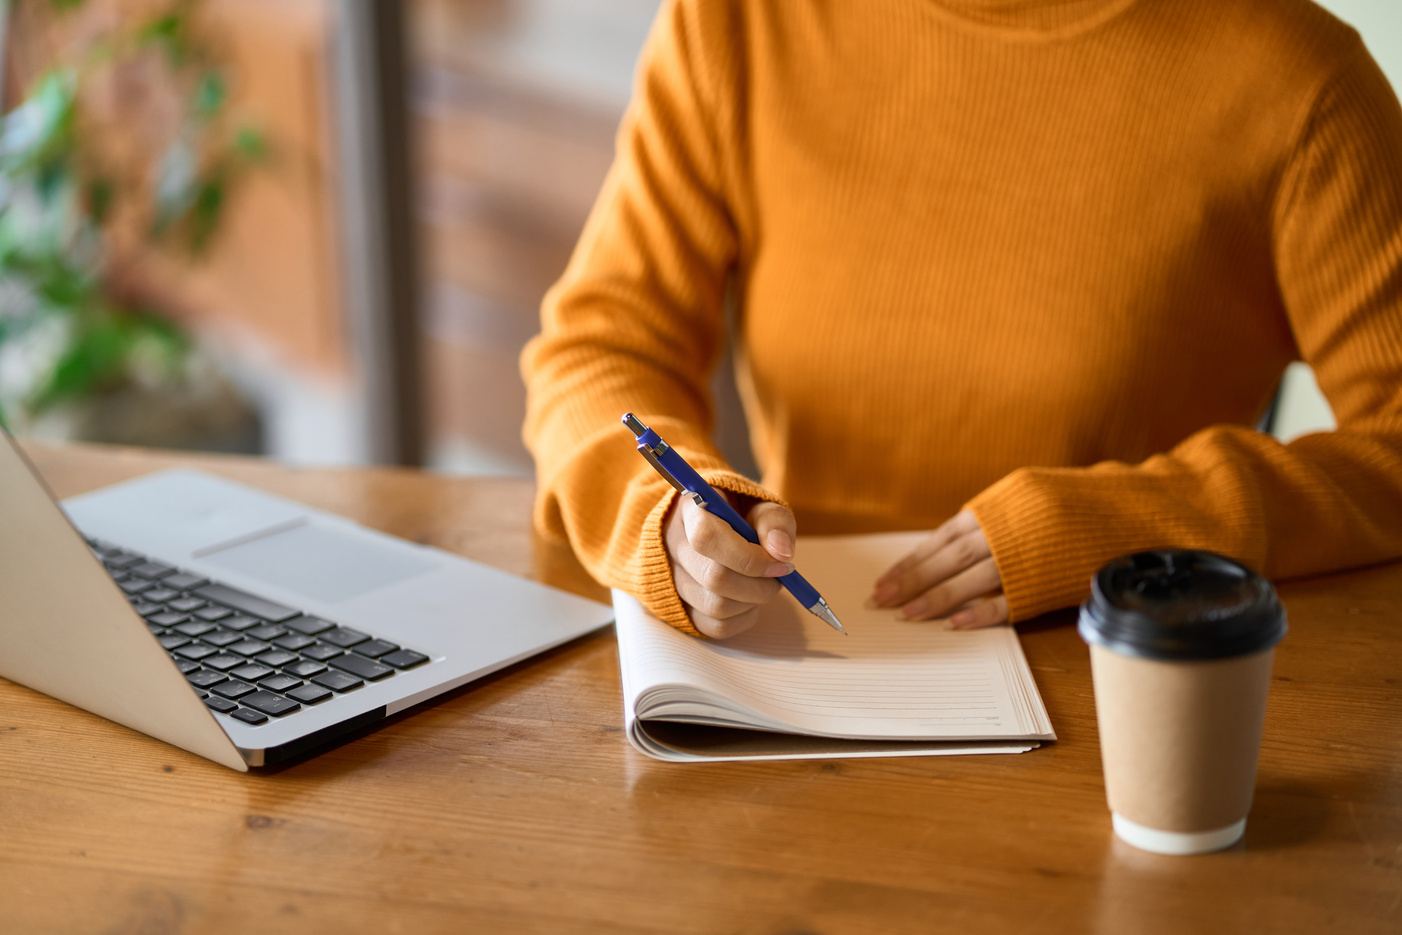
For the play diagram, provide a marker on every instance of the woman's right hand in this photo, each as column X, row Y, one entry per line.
column 721, row 578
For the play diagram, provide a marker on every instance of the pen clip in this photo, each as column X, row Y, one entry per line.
column 646, row 452
column 639, row 429
column 657, row 465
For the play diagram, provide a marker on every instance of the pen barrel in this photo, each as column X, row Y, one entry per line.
column 797, row 585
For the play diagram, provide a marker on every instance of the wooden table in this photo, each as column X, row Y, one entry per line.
column 517, row 805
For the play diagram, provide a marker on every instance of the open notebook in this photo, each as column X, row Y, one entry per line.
column 794, row 688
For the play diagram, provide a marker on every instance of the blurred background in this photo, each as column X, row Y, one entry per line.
column 320, row 229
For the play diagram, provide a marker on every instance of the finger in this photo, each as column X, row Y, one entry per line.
column 724, row 629
column 887, row 590
column 712, row 537
column 714, row 577
column 708, row 602
column 706, row 573
column 958, row 554
column 777, row 529
column 982, row 614
column 961, row 524
column 948, row 594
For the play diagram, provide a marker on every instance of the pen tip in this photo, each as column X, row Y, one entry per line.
column 822, row 611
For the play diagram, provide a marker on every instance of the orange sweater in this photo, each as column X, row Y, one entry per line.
column 1044, row 259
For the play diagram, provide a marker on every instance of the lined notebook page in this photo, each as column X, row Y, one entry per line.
column 889, row 679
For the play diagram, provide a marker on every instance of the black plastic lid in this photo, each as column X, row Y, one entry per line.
column 1181, row 604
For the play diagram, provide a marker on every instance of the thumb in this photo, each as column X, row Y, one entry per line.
column 776, row 527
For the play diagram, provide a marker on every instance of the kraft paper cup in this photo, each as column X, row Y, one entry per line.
column 1181, row 649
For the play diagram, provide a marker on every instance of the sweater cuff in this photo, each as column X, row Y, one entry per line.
column 1046, row 553
column 658, row 590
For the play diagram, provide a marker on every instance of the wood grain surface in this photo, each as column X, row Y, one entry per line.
column 516, row 805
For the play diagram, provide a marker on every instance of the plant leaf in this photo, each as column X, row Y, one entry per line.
column 251, row 144
column 204, row 215
column 40, row 129
column 209, row 95
column 167, row 31
column 101, row 193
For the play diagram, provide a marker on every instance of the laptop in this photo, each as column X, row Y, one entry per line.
column 244, row 627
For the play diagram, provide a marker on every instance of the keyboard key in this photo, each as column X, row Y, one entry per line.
column 145, row 608
column 122, row 560
column 195, row 651
column 277, row 658
column 248, row 715
column 321, row 652
column 344, row 637
column 184, row 581
column 404, row 659
column 184, row 665
column 267, row 631
column 375, row 648
column 337, row 681
column 245, row 602
column 310, row 625
column 213, row 613
column 159, row 594
column 309, row 694
column 159, row 631
column 151, row 570
column 293, row 641
column 224, row 662
column 233, row 689
column 269, row 703
column 222, row 637
column 194, row 627
column 359, row 665
column 185, row 604
column 251, row 671
column 222, row 705
column 279, row 683
column 249, row 647
column 204, row 678
column 167, row 619
column 239, row 622
column 136, row 585
column 304, row 668
column 172, row 641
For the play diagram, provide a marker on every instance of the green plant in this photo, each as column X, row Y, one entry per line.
column 68, row 329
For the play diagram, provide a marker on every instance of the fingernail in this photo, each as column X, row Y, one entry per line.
column 915, row 608
column 885, row 592
column 780, row 543
column 778, row 570
column 963, row 618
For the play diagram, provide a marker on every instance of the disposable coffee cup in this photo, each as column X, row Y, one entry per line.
column 1181, row 646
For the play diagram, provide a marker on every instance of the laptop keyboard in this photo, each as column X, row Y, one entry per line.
column 246, row 656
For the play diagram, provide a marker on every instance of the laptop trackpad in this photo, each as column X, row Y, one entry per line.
column 323, row 564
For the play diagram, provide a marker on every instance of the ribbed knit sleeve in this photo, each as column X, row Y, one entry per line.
column 1326, row 501
column 636, row 322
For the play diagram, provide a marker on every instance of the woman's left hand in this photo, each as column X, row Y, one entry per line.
column 951, row 571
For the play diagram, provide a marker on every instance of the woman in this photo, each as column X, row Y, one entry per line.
column 1037, row 266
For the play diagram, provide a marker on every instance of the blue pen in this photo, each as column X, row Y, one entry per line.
column 681, row 476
